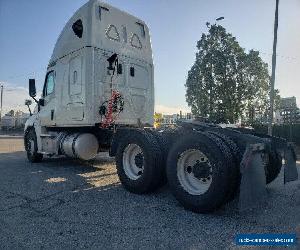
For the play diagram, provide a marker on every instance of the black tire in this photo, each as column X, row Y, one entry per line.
column 215, row 195
column 235, row 175
column 171, row 135
column 162, row 141
column 32, row 155
column 273, row 167
column 150, row 177
column 235, row 150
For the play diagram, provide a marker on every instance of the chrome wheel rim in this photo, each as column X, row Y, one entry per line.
column 194, row 171
column 133, row 161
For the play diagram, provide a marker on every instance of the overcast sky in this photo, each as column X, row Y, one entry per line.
column 29, row 29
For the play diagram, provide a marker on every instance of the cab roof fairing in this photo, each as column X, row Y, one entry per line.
column 94, row 33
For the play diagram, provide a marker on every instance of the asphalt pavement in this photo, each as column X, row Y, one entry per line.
column 63, row 203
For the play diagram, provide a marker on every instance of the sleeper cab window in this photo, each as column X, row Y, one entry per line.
column 78, row 28
column 49, row 84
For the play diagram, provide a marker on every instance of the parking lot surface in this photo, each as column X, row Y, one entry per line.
column 63, row 203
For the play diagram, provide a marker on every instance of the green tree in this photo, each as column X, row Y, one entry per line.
column 226, row 83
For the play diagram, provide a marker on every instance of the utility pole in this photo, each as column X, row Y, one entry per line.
column 211, row 72
column 1, row 96
column 270, row 125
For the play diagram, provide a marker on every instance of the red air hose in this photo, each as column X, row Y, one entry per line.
column 112, row 108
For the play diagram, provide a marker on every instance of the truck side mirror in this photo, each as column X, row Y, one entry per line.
column 32, row 89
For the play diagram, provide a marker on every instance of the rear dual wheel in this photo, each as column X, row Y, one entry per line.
column 199, row 173
column 139, row 161
column 198, row 168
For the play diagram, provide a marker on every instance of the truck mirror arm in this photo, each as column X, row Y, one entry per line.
column 37, row 102
column 30, row 113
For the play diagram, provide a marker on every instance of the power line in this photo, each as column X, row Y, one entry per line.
column 272, row 91
column 281, row 56
column 290, row 58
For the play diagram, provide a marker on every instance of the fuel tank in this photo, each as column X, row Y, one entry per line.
column 80, row 145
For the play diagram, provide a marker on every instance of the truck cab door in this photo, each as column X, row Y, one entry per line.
column 76, row 96
column 47, row 112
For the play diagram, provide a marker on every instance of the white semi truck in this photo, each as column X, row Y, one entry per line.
column 98, row 94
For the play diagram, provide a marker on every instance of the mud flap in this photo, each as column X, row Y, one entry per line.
column 290, row 169
column 253, row 178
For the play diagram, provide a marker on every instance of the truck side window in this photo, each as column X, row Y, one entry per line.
column 49, row 84
column 78, row 28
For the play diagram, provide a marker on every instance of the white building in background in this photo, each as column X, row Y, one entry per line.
column 13, row 120
column 8, row 121
column 278, row 119
column 172, row 119
column 288, row 112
